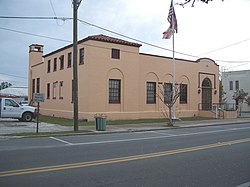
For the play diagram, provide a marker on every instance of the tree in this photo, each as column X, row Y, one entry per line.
column 222, row 93
column 247, row 100
column 168, row 95
column 5, row 85
column 239, row 96
column 193, row 1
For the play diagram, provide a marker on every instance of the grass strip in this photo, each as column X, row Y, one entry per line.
column 69, row 122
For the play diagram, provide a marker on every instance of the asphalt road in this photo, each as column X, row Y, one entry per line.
column 205, row 156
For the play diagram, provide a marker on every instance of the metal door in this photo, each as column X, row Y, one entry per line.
column 206, row 94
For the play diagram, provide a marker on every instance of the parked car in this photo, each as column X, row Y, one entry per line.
column 24, row 103
column 9, row 108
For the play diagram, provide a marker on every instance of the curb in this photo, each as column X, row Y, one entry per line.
column 132, row 130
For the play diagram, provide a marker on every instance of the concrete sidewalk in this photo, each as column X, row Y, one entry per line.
column 11, row 126
column 163, row 126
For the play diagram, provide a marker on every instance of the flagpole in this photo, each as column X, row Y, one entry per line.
column 173, row 63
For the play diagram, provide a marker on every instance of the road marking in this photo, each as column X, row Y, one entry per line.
column 60, row 140
column 118, row 160
column 162, row 133
column 157, row 137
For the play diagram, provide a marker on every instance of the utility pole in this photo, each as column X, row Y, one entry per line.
column 76, row 4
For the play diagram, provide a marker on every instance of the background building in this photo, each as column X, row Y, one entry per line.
column 117, row 80
column 233, row 81
column 19, row 93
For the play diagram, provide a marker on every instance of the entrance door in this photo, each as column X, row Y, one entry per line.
column 206, row 94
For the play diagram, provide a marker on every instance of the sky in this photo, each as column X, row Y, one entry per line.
column 219, row 30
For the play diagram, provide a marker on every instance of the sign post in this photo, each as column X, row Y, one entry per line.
column 38, row 97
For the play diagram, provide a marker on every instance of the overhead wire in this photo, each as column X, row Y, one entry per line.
column 225, row 47
column 54, row 12
column 31, row 34
column 13, row 76
column 35, row 17
column 107, row 30
column 140, row 41
column 51, row 4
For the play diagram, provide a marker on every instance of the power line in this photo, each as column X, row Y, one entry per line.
column 225, row 47
column 35, row 17
column 102, row 28
column 13, row 76
column 37, row 35
column 239, row 65
column 93, row 25
column 51, row 4
column 234, row 61
column 140, row 41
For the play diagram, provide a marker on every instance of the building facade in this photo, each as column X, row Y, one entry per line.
column 233, row 81
column 115, row 79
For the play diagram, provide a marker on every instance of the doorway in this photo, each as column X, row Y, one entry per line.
column 206, row 94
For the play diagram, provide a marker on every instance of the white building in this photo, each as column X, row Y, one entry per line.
column 19, row 93
column 233, row 81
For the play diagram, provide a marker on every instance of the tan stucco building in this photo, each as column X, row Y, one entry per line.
column 115, row 79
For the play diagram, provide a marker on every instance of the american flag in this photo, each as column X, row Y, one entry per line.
column 172, row 20
column 168, row 33
column 172, row 17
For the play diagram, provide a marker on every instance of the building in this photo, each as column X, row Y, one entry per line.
column 117, row 80
column 233, row 81
column 19, row 93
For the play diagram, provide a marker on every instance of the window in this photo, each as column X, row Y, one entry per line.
column 9, row 102
column 61, row 58
column 168, row 88
column 183, row 93
column 60, row 89
column 231, row 85
column 48, row 90
column 115, row 53
column 237, row 85
column 69, row 59
column 55, row 64
column 114, row 91
column 151, row 92
column 54, row 89
column 49, row 64
column 81, row 56
column 33, row 85
column 38, row 85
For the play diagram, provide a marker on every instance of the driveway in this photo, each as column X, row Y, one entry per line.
column 10, row 126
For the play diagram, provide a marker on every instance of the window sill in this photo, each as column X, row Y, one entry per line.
column 114, row 102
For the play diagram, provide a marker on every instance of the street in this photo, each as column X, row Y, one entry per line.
column 201, row 156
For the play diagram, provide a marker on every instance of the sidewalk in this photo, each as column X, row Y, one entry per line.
column 163, row 126
column 10, row 126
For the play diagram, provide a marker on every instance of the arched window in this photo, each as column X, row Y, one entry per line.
column 206, row 83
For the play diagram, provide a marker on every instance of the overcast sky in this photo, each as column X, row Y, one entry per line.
column 218, row 30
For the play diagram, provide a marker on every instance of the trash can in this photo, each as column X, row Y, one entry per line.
column 100, row 123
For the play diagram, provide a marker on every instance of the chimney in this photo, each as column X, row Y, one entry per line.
column 35, row 54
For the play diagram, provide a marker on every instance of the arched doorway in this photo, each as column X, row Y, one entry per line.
column 206, row 94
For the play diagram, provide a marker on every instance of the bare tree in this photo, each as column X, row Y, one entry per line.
column 168, row 94
column 193, row 1
column 239, row 96
column 247, row 100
